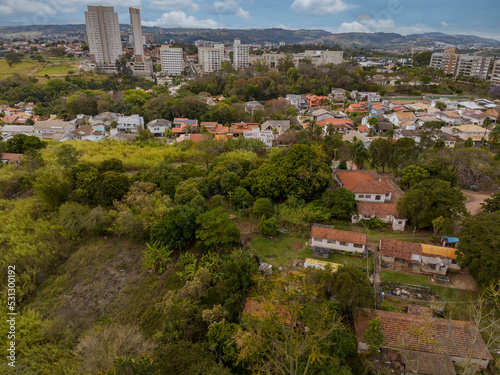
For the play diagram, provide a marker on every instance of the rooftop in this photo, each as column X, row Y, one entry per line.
column 338, row 235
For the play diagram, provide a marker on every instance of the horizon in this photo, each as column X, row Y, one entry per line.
column 404, row 17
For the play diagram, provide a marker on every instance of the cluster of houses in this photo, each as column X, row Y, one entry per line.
column 73, row 48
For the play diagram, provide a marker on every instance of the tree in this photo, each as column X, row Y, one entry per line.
column 177, row 228
column 285, row 63
column 440, row 105
column 241, row 198
column 156, row 258
column 67, row 156
column 491, row 204
column 381, row 151
column 468, row 143
column 33, row 159
column 422, row 59
column 269, row 227
column 431, row 199
column 340, row 202
column 20, row 143
column 113, row 186
column 112, row 164
column 479, row 247
column 53, row 189
column 215, row 229
column 413, row 175
column 13, row 58
column 360, row 154
column 263, row 207
column 351, row 288
column 373, row 335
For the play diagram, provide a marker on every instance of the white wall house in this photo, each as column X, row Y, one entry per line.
column 364, row 186
column 386, row 212
column 265, row 136
column 159, row 126
column 130, row 124
column 325, row 236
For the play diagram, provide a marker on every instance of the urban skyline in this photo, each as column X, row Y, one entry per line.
column 337, row 16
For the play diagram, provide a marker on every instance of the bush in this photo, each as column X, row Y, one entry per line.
column 263, row 207
column 269, row 227
column 374, row 223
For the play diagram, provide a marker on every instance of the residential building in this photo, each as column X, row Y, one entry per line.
column 319, row 58
column 447, row 241
column 447, row 61
column 355, row 136
column 8, row 131
column 432, row 340
column 495, row 73
column 215, row 128
column 368, row 96
column 252, row 106
column 240, row 55
column 297, row 101
column 266, row 136
column 10, row 158
column 278, row 126
column 474, row 116
column 172, row 60
column 476, row 132
column 105, row 118
column 422, row 107
column 53, row 129
column 474, row 66
column 328, row 238
column 316, row 101
column 184, row 125
column 159, row 126
column 450, row 117
column 364, row 186
column 135, row 23
column 321, row 114
column 88, row 133
column 238, row 128
column 387, row 212
column 130, row 124
column 416, row 257
column 494, row 112
column 103, row 36
column 338, row 125
column 271, row 59
column 210, row 58
column 400, row 118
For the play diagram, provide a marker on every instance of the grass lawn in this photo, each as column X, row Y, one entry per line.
column 446, row 294
column 56, row 69
column 281, row 247
column 375, row 234
column 24, row 67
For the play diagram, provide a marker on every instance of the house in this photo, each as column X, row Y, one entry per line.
column 424, row 335
column 363, row 129
column 10, row 158
column 195, row 137
column 422, row 107
column 297, row 101
column 368, row 96
column 278, row 126
column 450, row 117
column 184, row 125
column 338, row 125
column 105, row 118
column 474, row 116
column 494, row 112
column 450, row 140
column 447, row 241
column 54, row 129
column 82, row 120
column 130, row 124
column 416, row 257
column 399, row 118
column 88, row 133
column 387, row 212
column 355, row 136
column 321, row 114
column 328, row 238
column 357, row 107
column 237, row 128
column 266, row 136
column 316, row 101
column 251, row 107
column 464, row 132
column 364, row 186
column 215, row 128
column 8, row 131
column 403, row 133
column 159, row 126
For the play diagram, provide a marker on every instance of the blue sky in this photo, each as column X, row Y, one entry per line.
column 479, row 17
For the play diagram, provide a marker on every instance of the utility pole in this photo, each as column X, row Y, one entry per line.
column 367, row 265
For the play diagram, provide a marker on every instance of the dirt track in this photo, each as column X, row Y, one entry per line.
column 475, row 199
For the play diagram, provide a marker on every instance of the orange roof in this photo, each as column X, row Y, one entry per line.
column 338, row 235
column 404, row 250
column 382, row 209
column 363, row 182
column 363, row 129
column 335, row 121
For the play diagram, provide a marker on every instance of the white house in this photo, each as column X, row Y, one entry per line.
column 159, row 126
column 364, row 186
column 276, row 125
column 400, row 118
column 265, row 136
column 450, row 117
column 387, row 212
column 8, row 131
column 326, row 237
column 130, row 124
column 88, row 133
column 54, row 129
column 297, row 101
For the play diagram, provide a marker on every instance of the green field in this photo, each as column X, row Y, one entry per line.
column 280, row 247
column 56, row 69
column 23, row 67
column 446, row 294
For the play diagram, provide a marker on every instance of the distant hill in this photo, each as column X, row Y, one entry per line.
column 273, row 35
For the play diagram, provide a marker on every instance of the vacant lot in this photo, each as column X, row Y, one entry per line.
column 24, row 67
column 60, row 69
column 279, row 250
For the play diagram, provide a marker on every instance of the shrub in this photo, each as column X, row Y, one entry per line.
column 263, row 207
column 269, row 227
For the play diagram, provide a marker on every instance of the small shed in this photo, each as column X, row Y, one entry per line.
column 449, row 241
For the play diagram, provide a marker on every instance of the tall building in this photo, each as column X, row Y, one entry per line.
column 468, row 65
column 210, row 58
column 172, row 60
column 495, row 73
column 241, row 54
column 135, row 22
column 103, row 35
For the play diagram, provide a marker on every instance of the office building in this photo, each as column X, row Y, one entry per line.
column 172, row 60
column 103, row 36
column 241, row 54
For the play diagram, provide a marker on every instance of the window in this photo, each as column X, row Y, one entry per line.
column 361, row 196
column 400, row 222
column 318, row 239
column 377, row 197
column 368, row 196
column 343, row 243
column 330, row 241
column 358, row 246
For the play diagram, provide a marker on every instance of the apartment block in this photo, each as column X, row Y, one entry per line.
column 495, row 73
column 172, row 60
column 210, row 58
column 241, row 54
column 447, row 61
column 103, row 35
column 135, row 22
column 467, row 65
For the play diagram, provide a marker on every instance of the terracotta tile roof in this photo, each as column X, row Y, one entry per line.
column 336, row 121
column 362, row 182
column 425, row 334
column 399, row 249
column 427, row 363
column 240, row 127
column 377, row 209
column 363, row 129
column 11, row 157
column 338, row 235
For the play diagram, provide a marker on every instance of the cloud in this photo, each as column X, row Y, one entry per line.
column 284, row 27
column 52, row 7
column 231, row 7
column 178, row 18
column 367, row 25
column 321, row 6
column 444, row 23
column 192, row 5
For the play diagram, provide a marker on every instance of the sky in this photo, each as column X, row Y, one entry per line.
column 479, row 17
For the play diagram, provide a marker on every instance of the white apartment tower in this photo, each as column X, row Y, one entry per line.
column 172, row 60
column 241, row 54
column 135, row 22
column 474, row 66
column 210, row 58
column 103, row 35
column 495, row 73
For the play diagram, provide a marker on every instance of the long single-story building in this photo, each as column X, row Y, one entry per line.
column 326, row 237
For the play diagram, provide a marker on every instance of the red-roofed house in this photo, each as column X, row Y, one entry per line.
column 326, row 237
column 237, row 128
column 179, row 125
column 10, row 158
column 363, row 129
column 458, row 340
column 364, row 186
column 316, row 101
column 215, row 128
column 357, row 107
column 387, row 212
column 339, row 125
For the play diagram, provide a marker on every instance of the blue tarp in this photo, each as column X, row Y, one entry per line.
column 451, row 239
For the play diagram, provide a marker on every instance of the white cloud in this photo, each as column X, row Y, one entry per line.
column 51, row 7
column 369, row 25
column 284, row 27
column 192, row 5
column 180, row 19
column 444, row 23
column 231, row 7
column 321, row 6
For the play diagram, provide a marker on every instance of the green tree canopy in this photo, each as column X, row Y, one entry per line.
column 215, row 229
column 341, row 203
column 177, row 228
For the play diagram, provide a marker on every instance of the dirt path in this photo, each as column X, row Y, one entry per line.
column 474, row 201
